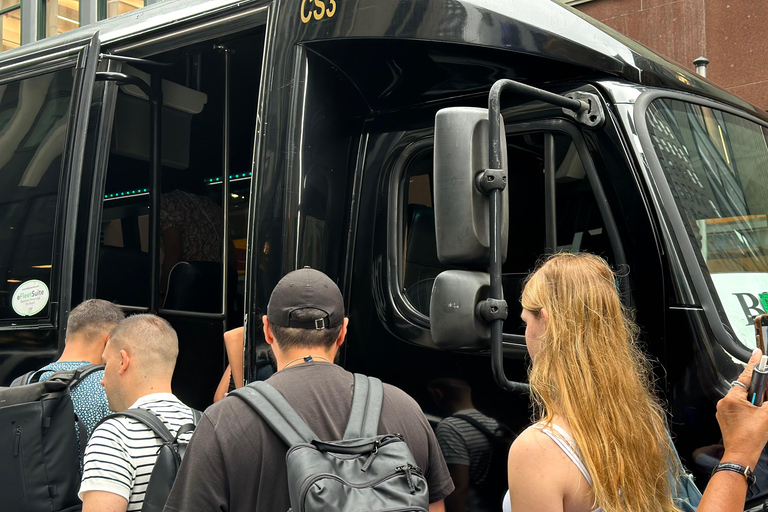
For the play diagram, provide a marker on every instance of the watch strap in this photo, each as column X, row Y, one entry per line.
column 736, row 468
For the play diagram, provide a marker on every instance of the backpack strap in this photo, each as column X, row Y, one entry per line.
column 479, row 426
column 189, row 427
column 35, row 376
column 74, row 376
column 367, row 400
column 84, row 371
column 276, row 411
column 146, row 417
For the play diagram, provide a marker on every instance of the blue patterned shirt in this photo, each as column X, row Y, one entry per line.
column 88, row 397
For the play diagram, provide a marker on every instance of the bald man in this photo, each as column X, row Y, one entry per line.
column 140, row 357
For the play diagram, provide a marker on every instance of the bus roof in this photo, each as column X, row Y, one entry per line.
column 546, row 29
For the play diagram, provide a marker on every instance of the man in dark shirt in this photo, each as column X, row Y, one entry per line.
column 236, row 462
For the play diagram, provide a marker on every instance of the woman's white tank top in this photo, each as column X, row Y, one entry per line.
column 566, row 443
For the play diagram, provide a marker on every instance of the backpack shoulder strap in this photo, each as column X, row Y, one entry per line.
column 88, row 369
column 189, row 427
column 276, row 411
column 73, row 376
column 23, row 380
column 367, row 400
column 479, row 426
column 146, row 417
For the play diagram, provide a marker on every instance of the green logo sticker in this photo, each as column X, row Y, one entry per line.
column 764, row 301
column 30, row 297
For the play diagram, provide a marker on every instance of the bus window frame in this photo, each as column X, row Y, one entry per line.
column 514, row 344
column 82, row 56
column 693, row 286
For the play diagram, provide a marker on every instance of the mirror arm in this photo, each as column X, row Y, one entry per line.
column 494, row 192
column 494, row 110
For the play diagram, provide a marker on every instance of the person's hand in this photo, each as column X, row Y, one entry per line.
column 744, row 426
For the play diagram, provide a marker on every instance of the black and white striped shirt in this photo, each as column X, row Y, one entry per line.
column 122, row 452
column 462, row 443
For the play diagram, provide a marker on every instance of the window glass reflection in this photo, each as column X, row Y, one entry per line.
column 61, row 16
column 33, row 121
column 117, row 7
column 10, row 26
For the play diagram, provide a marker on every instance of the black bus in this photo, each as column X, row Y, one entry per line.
column 310, row 126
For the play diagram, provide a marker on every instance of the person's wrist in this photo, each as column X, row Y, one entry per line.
column 736, row 469
column 742, row 458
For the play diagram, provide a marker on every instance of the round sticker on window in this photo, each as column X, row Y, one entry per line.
column 30, row 297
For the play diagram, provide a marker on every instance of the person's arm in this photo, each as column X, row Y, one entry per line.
column 457, row 500
column 221, row 389
column 103, row 501
column 745, row 434
column 233, row 342
column 108, row 471
column 438, row 506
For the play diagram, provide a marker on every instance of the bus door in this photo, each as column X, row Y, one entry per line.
column 171, row 241
column 45, row 99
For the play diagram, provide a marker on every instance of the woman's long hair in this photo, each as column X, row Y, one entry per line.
column 590, row 371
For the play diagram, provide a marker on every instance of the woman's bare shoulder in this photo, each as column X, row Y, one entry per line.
column 533, row 443
column 541, row 476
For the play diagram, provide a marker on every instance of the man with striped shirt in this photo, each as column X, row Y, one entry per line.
column 466, row 449
column 140, row 357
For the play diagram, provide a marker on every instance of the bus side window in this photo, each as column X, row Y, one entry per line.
column 33, row 122
column 579, row 223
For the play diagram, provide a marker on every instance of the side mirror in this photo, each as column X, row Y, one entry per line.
column 461, row 206
column 452, row 312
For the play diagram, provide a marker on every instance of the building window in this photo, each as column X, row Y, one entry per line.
column 117, row 7
column 61, row 16
column 10, row 25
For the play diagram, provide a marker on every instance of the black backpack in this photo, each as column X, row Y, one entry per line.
column 363, row 471
column 169, row 455
column 495, row 484
column 39, row 459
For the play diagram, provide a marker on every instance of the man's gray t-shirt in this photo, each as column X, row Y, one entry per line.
column 236, row 462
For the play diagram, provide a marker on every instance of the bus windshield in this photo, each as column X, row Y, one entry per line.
column 717, row 167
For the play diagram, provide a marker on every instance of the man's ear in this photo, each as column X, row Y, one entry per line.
column 125, row 362
column 342, row 333
column 268, row 336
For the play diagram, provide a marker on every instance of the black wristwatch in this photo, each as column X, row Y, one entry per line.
column 736, row 468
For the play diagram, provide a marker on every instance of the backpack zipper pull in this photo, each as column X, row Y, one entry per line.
column 371, row 457
column 408, row 476
column 17, row 442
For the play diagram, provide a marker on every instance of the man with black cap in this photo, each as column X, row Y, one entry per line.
column 236, row 462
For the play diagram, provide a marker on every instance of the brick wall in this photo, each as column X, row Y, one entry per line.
column 732, row 34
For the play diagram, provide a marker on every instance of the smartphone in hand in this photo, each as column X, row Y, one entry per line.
column 761, row 332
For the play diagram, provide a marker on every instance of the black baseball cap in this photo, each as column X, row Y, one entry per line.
column 302, row 289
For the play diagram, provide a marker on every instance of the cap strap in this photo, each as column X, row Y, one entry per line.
column 317, row 323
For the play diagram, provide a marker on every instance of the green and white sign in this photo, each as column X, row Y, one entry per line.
column 742, row 297
column 30, row 297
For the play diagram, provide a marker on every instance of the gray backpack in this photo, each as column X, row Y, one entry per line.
column 362, row 471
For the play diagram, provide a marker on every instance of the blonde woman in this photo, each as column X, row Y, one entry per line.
column 600, row 444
